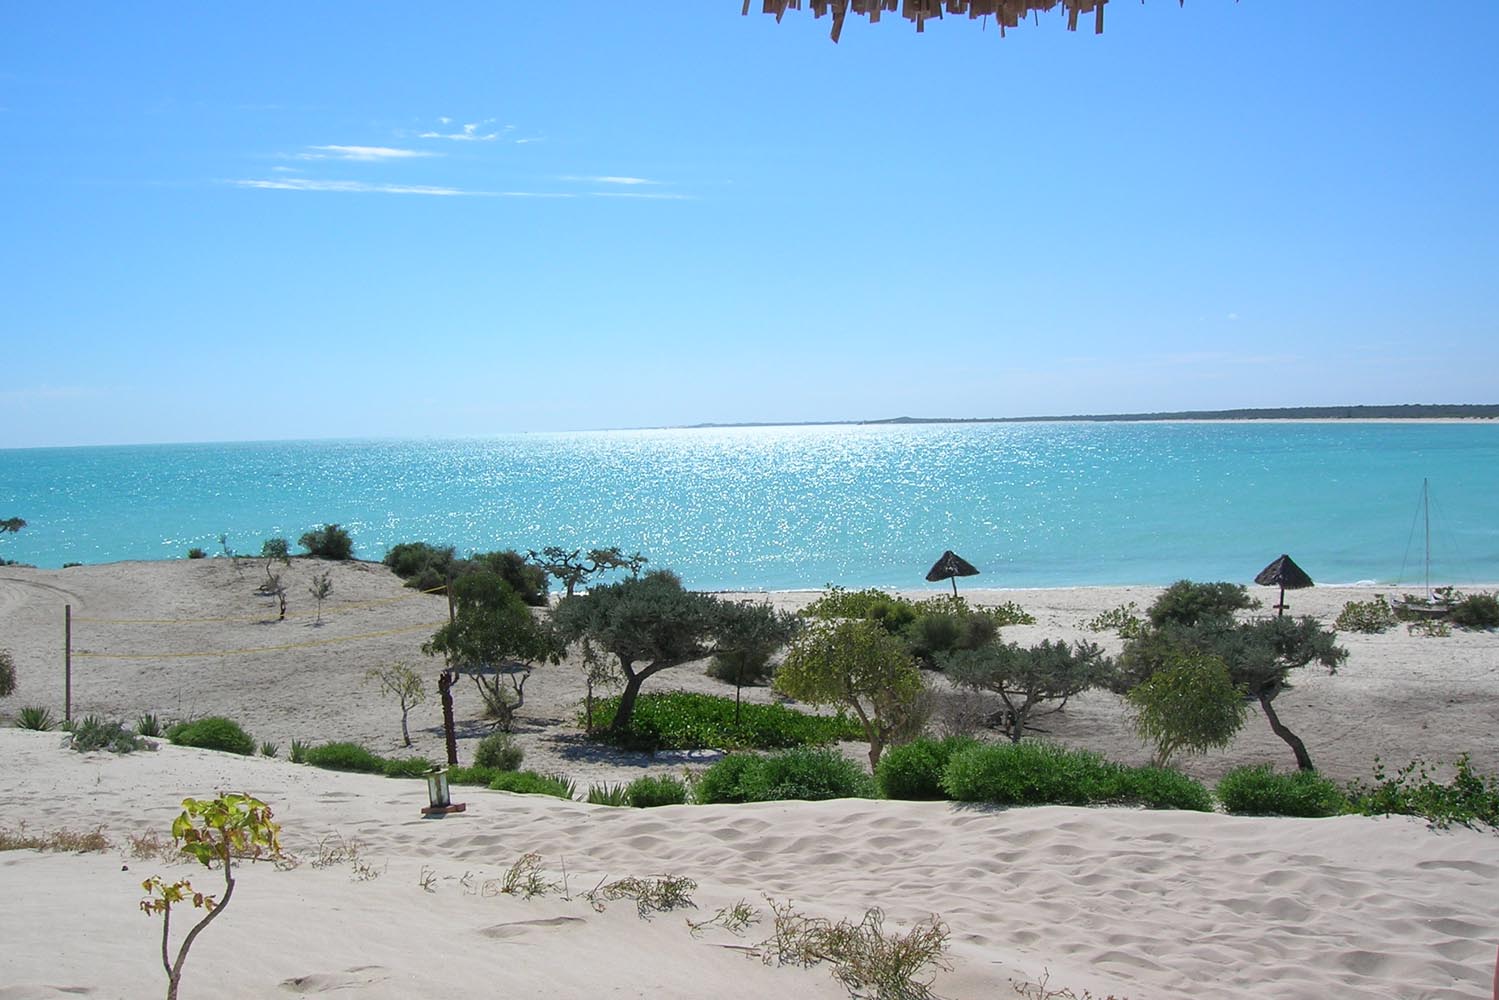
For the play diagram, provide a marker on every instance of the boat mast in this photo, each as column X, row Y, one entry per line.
column 1426, row 516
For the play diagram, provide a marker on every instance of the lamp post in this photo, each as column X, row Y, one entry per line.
column 439, row 796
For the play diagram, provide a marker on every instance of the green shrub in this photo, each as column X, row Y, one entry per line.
column 212, row 733
column 499, row 752
column 344, row 757
column 531, row 783
column 37, row 718
column 269, row 749
column 1190, row 704
column 1478, row 611
column 93, row 733
column 423, row 567
column 914, row 770
column 608, row 795
column 1468, row 799
column 407, row 767
column 480, row 776
column 680, row 720
column 1046, row 774
column 7, row 674
column 328, row 542
column 650, row 791
column 524, row 577
column 196, row 553
column 731, row 779
column 1124, row 620
column 148, row 725
column 1187, row 603
column 1262, row 791
column 1368, row 617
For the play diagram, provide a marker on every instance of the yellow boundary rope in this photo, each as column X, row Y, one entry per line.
column 337, row 609
column 258, row 649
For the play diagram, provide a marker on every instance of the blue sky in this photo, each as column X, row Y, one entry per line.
column 229, row 222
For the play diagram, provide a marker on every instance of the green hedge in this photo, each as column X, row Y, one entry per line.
column 1045, row 774
column 1262, row 791
column 914, row 770
column 531, row 783
column 650, row 791
column 212, row 733
column 801, row 773
column 345, row 757
column 680, row 720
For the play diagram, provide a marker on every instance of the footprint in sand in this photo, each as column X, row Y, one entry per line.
column 520, row 928
column 327, row 982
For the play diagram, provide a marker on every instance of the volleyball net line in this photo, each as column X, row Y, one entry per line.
column 253, row 650
column 327, row 611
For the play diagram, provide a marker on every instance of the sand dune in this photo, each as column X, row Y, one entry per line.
column 1134, row 903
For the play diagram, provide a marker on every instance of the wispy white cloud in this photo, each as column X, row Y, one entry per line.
column 350, row 187
column 467, row 133
column 627, row 181
column 368, row 154
column 286, row 170
column 645, row 195
column 522, row 142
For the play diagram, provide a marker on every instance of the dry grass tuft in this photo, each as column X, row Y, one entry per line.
column 868, row 962
column 61, row 841
column 657, row 894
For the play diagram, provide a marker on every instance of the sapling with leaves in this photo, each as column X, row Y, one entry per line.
column 275, row 550
column 400, row 681
column 209, row 831
column 320, row 588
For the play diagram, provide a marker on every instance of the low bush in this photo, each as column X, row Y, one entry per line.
column 93, row 733
column 650, row 791
column 680, row 720
column 480, row 776
column 36, row 718
column 1124, row 620
column 7, row 674
column 499, row 752
column 531, row 783
column 328, row 542
column 914, row 770
column 422, row 566
column 196, row 553
column 800, row 773
column 1263, row 791
column 1476, row 611
column 1469, row 798
column 212, row 733
column 1368, row 617
column 1187, row 603
column 344, row 757
column 1046, row 774
column 406, row 767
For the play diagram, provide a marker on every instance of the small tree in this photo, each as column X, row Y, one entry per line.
column 856, row 664
column 210, row 831
column 647, row 623
column 1025, row 679
column 328, row 542
column 746, row 642
column 402, row 683
column 10, row 526
column 272, row 586
column 1189, row 705
column 7, row 674
column 496, row 639
column 273, row 550
column 320, row 587
column 573, row 569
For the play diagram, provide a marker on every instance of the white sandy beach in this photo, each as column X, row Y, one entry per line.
column 1132, row 903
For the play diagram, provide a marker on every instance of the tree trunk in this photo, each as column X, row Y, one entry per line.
column 405, row 733
column 627, row 697
column 876, row 747
column 1303, row 759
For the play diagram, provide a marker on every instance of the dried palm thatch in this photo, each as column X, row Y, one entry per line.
column 1285, row 573
column 1006, row 13
column 950, row 567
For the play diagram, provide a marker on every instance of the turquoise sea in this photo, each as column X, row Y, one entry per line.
column 1032, row 505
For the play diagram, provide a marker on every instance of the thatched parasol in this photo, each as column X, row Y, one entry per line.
column 1006, row 13
column 1285, row 573
column 950, row 567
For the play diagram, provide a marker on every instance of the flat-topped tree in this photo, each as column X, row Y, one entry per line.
column 573, row 568
column 11, row 525
column 648, row 624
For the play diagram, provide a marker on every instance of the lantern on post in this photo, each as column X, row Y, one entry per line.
column 438, row 794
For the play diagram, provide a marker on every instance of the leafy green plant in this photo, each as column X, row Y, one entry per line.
column 213, row 732
column 681, row 720
column 1431, row 628
column 93, row 733
column 1368, row 617
column 1469, row 798
column 500, row 752
column 649, row 791
column 1046, row 774
column 480, row 776
column 298, row 752
column 531, row 783
column 7, row 674
column 211, row 831
column 37, row 718
column 148, row 725
column 196, row 553
column 868, row 961
column 328, row 542
column 406, row 767
column 399, row 681
column 1262, row 791
column 320, row 588
column 344, row 757
column 914, row 770
column 269, row 749
column 800, row 773
column 1190, row 704
column 1027, row 678
column 1189, row 603
column 605, row 794
column 1476, row 611
column 1123, row 620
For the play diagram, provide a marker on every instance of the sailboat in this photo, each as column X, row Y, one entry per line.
column 1432, row 605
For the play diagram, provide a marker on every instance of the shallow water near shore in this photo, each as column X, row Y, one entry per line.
column 1032, row 505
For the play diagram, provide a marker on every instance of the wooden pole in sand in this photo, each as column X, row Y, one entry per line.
column 67, row 663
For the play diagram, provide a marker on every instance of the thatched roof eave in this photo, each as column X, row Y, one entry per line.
column 1006, row 13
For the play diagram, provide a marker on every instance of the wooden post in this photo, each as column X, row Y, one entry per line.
column 445, row 690
column 67, row 663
